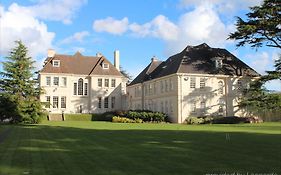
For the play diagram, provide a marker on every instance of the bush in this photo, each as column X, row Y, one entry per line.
column 78, row 117
column 147, row 116
column 194, row 120
column 231, row 120
column 117, row 119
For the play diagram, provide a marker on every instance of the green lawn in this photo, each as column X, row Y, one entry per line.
column 83, row 148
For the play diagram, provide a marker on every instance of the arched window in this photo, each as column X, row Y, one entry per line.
column 220, row 90
column 80, row 86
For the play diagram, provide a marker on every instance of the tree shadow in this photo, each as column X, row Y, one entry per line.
column 68, row 150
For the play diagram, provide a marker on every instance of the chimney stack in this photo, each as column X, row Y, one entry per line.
column 117, row 60
column 51, row 53
column 154, row 58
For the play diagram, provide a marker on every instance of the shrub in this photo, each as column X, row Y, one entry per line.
column 78, row 117
column 194, row 120
column 231, row 120
column 117, row 119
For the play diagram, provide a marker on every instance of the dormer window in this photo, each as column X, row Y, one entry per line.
column 56, row 63
column 218, row 63
column 105, row 66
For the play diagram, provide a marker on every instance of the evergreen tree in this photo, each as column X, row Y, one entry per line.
column 19, row 97
column 262, row 27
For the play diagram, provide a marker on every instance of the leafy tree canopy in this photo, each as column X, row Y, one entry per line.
column 19, row 96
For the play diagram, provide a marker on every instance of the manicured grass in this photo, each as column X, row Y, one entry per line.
column 78, row 148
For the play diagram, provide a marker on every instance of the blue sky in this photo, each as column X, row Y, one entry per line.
column 140, row 29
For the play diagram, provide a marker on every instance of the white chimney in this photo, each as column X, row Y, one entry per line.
column 51, row 53
column 117, row 60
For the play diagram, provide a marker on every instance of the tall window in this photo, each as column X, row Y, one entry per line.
column 112, row 102
column 63, row 102
column 171, row 107
column 80, row 86
column 220, row 90
column 162, row 86
column 86, row 89
column 166, row 86
column 56, row 81
column 48, row 101
column 48, row 81
column 64, row 81
column 203, row 106
column 99, row 82
column 193, row 106
column 202, row 83
column 113, row 82
column 75, row 89
column 171, row 85
column 106, row 102
column 193, row 82
column 99, row 102
column 106, row 82
column 55, row 101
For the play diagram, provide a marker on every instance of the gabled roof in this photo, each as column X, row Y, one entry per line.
column 198, row 60
column 79, row 64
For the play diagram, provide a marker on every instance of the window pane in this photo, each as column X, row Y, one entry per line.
column 63, row 102
column 112, row 102
column 56, row 81
column 80, row 86
column 220, row 90
column 99, row 104
column 86, row 89
column 113, row 82
column 106, row 82
column 192, row 82
column 64, row 81
column 48, row 81
column 55, row 101
column 99, row 82
column 48, row 100
column 106, row 102
column 75, row 89
column 202, row 83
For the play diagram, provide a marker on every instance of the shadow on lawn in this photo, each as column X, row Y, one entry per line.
column 64, row 150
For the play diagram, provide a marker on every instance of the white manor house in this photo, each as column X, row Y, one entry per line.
column 199, row 81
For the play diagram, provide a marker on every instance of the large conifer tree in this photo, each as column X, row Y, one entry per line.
column 19, row 90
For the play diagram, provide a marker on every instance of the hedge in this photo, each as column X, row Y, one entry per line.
column 79, row 117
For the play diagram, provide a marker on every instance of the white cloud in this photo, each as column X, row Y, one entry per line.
column 19, row 24
column 202, row 24
column 221, row 6
column 76, row 37
column 54, row 10
column 259, row 61
column 111, row 25
column 159, row 27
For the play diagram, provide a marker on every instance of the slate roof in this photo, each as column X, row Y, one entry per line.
column 79, row 64
column 198, row 60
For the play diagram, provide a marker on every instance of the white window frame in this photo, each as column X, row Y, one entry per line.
column 113, row 82
column 105, row 66
column 54, row 80
column 63, row 102
column 192, row 82
column 99, row 82
column 56, row 63
column 48, row 81
column 64, row 81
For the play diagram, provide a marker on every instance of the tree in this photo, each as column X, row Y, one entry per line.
column 263, row 27
column 126, row 74
column 19, row 96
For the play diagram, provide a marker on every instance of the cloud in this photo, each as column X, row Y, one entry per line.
column 54, row 10
column 221, row 6
column 19, row 24
column 111, row 25
column 202, row 24
column 259, row 61
column 159, row 27
column 76, row 37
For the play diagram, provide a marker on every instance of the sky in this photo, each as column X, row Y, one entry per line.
column 139, row 29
